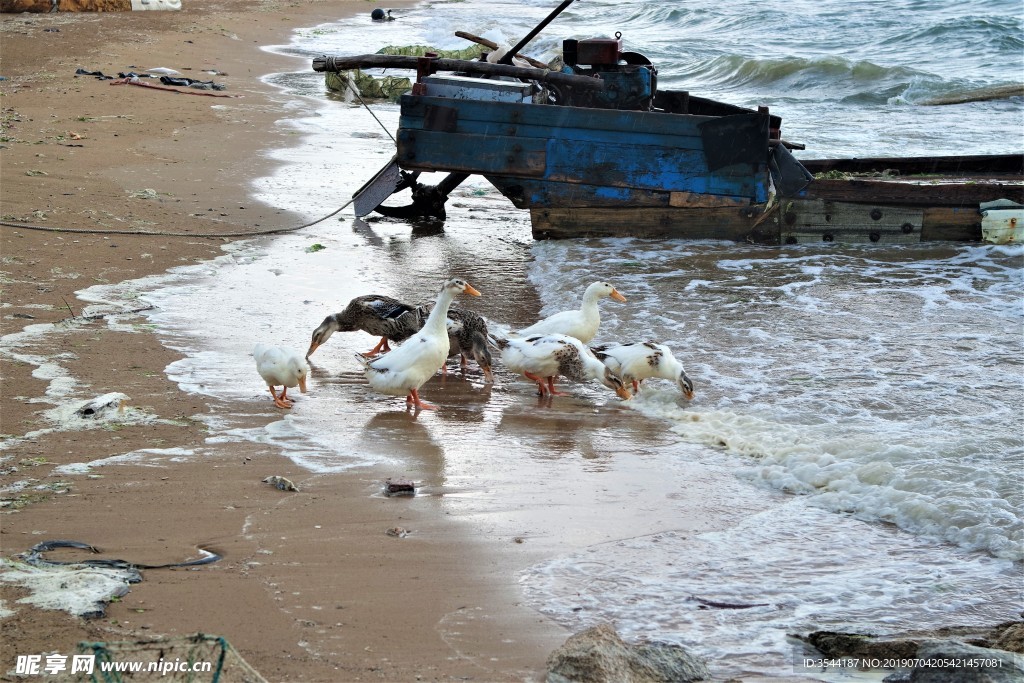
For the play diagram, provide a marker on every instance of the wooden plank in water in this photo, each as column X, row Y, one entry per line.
column 797, row 221
column 669, row 223
column 951, row 224
column 813, row 221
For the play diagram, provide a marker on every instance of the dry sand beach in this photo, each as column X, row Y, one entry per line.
column 360, row 606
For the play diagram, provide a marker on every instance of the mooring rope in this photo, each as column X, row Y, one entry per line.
column 160, row 233
column 248, row 233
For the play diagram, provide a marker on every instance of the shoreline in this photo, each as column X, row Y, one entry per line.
column 311, row 586
column 387, row 628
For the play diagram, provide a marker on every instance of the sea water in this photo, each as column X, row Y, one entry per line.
column 856, row 430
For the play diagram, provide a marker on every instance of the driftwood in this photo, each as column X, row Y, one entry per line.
column 982, row 95
column 339, row 63
column 490, row 44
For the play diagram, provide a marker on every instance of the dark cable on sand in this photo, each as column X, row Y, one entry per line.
column 249, row 233
column 157, row 233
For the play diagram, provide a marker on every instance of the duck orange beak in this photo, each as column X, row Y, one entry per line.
column 312, row 348
column 302, row 384
column 470, row 289
column 623, row 393
column 618, row 297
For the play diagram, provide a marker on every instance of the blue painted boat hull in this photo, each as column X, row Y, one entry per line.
column 561, row 156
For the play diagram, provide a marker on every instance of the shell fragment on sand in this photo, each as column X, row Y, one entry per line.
column 281, row 483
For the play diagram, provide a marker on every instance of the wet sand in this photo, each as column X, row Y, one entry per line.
column 310, row 587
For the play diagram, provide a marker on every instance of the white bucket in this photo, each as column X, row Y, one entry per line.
column 1002, row 226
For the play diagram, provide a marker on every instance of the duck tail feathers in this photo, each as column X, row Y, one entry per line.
column 497, row 343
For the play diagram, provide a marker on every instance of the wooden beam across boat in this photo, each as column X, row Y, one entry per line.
column 343, row 63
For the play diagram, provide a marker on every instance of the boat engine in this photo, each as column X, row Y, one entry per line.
column 630, row 78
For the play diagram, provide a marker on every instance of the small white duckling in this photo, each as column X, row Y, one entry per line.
column 282, row 367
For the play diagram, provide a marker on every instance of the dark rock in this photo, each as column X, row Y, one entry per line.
column 986, row 665
column 599, row 655
column 399, row 487
column 834, row 645
column 1009, row 637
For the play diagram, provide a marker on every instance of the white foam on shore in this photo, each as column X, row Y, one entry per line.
column 76, row 589
column 146, row 457
column 17, row 346
column 792, row 569
column 61, row 387
column 868, row 474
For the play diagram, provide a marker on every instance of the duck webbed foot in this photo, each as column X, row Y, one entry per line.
column 281, row 401
column 413, row 399
column 551, row 388
column 542, row 390
column 381, row 347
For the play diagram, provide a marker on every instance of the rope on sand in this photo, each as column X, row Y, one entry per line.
column 160, row 233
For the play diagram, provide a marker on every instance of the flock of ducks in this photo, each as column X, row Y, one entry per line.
column 426, row 335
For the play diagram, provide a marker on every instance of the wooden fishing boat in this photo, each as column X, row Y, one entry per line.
column 595, row 148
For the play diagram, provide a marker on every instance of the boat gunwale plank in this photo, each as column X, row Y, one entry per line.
column 563, row 117
column 532, row 193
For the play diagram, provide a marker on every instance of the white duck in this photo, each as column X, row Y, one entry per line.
column 282, row 367
column 541, row 358
column 467, row 337
column 639, row 361
column 405, row 369
column 581, row 324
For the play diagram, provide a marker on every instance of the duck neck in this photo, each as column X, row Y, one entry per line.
column 436, row 320
column 590, row 307
column 592, row 367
